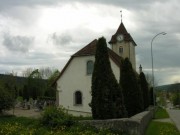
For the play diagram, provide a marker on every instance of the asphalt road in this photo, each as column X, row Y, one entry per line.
column 175, row 116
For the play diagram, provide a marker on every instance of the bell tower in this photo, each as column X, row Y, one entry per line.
column 123, row 44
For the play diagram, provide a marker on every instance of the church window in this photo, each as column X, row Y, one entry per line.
column 120, row 50
column 90, row 67
column 78, row 98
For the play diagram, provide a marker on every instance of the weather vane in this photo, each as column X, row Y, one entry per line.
column 121, row 15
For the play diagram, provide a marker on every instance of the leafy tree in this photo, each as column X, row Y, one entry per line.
column 176, row 98
column 6, row 100
column 131, row 89
column 50, row 90
column 35, row 85
column 53, row 76
column 105, row 88
column 25, row 93
column 144, row 89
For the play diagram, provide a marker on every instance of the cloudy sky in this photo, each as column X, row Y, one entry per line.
column 45, row 33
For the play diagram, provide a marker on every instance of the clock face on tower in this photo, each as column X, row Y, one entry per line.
column 120, row 37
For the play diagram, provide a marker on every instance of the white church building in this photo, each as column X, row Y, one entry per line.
column 74, row 82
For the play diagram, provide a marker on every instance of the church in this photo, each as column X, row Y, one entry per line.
column 73, row 85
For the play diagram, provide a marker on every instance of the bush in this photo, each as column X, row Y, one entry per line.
column 19, row 99
column 55, row 117
column 29, row 126
column 6, row 100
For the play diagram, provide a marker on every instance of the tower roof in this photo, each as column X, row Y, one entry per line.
column 121, row 30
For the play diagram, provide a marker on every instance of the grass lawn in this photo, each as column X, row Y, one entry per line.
column 161, row 128
column 28, row 126
column 161, row 113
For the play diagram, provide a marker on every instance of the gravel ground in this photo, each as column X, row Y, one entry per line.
column 25, row 112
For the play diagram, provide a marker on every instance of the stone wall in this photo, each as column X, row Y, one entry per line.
column 135, row 125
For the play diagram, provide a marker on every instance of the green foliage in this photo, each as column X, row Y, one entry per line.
column 6, row 100
column 20, row 125
column 161, row 128
column 162, row 101
column 50, row 92
column 107, row 100
column 55, row 117
column 52, row 78
column 31, row 86
column 29, row 126
column 47, row 98
column 161, row 113
column 144, row 89
column 176, row 98
column 131, row 90
column 25, row 92
column 19, row 99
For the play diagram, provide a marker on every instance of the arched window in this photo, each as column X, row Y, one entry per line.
column 90, row 67
column 78, row 98
column 120, row 49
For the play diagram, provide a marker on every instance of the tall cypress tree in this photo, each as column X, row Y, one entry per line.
column 151, row 96
column 131, row 89
column 105, row 87
column 144, row 89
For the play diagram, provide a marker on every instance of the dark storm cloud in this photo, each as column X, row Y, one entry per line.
column 17, row 43
column 60, row 40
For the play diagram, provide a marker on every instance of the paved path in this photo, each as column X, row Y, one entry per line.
column 175, row 116
column 164, row 120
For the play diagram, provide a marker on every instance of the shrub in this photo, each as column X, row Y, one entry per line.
column 55, row 117
column 19, row 99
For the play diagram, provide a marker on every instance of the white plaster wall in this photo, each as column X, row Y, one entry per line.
column 75, row 78
column 115, row 69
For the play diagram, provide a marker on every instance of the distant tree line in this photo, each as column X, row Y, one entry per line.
column 111, row 99
column 35, row 83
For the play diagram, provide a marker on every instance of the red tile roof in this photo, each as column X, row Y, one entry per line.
column 121, row 30
column 89, row 50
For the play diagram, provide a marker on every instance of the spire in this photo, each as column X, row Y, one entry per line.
column 121, row 31
column 140, row 69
